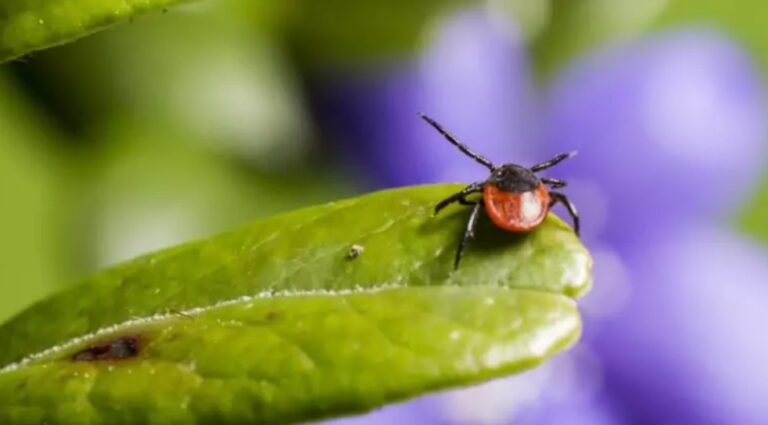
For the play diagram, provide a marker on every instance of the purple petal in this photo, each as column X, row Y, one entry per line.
column 575, row 411
column 408, row 413
column 668, row 128
column 473, row 79
column 689, row 347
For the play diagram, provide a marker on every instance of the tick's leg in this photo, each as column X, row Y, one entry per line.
column 554, row 183
column 560, row 197
column 552, row 162
column 460, row 196
column 469, row 232
column 462, row 147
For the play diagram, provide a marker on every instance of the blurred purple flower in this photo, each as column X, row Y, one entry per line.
column 408, row 413
column 667, row 129
column 474, row 79
column 594, row 411
column 689, row 347
column 671, row 132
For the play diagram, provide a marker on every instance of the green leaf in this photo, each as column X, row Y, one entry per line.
column 333, row 33
column 29, row 25
column 323, row 311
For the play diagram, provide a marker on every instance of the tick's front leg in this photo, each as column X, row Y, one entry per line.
column 460, row 197
column 469, row 232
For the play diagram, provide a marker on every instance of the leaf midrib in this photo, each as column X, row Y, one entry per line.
column 263, row 295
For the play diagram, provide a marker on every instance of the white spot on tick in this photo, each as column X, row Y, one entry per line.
column 530, row 206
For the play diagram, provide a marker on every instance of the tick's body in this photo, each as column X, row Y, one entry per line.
column 517, row 212
column 514, row 198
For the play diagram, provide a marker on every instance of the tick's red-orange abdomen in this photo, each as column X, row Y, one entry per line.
column 516, row 211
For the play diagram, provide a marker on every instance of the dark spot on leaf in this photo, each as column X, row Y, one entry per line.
column 123, row 347
column 272, row 315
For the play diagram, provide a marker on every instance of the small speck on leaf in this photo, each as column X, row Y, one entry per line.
column 355, row 251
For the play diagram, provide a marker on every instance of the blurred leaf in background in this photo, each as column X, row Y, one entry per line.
column 754, row 219
column 327, row 35
column 202, row 68
column 179, row 125
column 34, row 207
column 577, row 26
column 152, row 187
column 742, row 19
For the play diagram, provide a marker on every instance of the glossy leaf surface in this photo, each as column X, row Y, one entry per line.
column 283, row 321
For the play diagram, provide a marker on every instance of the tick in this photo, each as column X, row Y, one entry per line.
column 514, row 197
